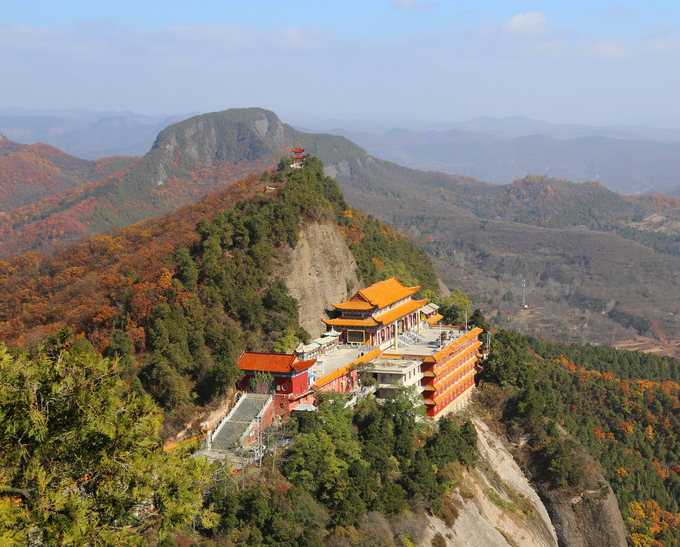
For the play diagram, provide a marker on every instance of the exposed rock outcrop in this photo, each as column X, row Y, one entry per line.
column 587, row 518
column 233, row 136
column 320, row 270
column 497, row 505
column 583, row 515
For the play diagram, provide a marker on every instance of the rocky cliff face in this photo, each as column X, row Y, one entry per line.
column 320, row 270
column 234, row 136
column 586, row 518
column 497, row 506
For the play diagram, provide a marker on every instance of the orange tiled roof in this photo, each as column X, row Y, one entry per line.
column 379, row 295
column 434, row 319
column 328, row 378
column 384, row 293
column 474, row 333
column 400, row 311
column 366, row 357
column 340, row 322
column 273, row 362
column 383, row 319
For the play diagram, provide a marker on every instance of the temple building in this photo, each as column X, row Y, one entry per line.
column 383, row 328
column 289, row 378
column 377, row 315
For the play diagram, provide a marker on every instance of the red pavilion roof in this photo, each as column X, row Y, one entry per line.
column 273, row 362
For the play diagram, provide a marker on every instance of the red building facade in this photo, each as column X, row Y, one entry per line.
column 449, row 374
column 283, row 374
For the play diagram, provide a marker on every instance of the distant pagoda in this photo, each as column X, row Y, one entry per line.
column 298, row 156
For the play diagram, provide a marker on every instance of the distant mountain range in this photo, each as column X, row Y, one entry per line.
column 502, row 128
column 627, row 165
column 86, row 134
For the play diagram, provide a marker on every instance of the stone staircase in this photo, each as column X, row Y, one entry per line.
column 228, row 434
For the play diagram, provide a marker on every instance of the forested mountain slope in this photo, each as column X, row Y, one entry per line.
column 174, row 301
column 596, row 264
column 89, row 468
column 566, row 240
column 178, row 298
column 31, row 172
column 623, row 407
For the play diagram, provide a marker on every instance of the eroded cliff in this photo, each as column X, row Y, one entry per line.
column 319, row 270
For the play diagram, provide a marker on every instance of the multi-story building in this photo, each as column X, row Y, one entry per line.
column 449, row 374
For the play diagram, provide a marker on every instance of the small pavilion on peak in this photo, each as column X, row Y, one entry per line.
column 298, row 156
column 377, row 315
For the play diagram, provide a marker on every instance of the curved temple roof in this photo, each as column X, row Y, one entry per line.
column 379, row 295
column 385, row 318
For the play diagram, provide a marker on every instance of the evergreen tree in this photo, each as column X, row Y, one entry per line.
column 83, row 455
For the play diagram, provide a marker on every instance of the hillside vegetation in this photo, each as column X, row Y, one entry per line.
column 623, row 407
column 29, row 173
column 89, row 468
column 189, row 159
column 595, row 263
column 178, row 299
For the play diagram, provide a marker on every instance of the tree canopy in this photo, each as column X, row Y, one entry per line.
column 80, row 457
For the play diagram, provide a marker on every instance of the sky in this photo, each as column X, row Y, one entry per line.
column 393, row 61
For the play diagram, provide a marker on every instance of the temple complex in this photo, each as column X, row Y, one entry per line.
column 398, row 338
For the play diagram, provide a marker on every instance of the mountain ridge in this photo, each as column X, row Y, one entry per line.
column 214, row 258
column 628, row 165
column 178, row 170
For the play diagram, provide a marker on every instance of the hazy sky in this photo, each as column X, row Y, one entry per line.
column 593, row 61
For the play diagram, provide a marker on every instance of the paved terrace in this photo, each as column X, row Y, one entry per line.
column 430, row 345
column 345, row 354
